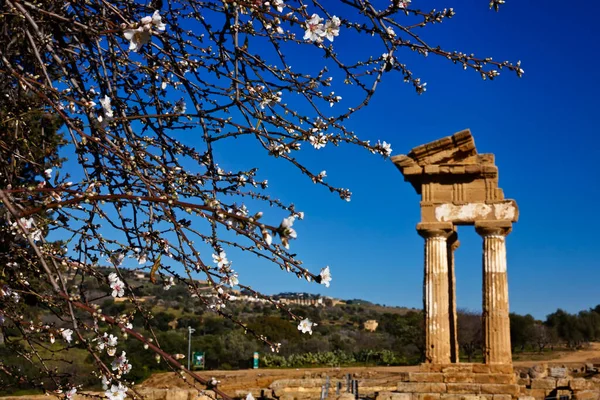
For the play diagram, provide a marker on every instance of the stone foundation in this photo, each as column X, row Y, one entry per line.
column 497, row 382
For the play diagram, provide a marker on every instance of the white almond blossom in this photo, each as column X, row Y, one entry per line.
column 267, row 237
column 157, row 21
column 180, row 107
column 48, row 173
column 28, row 223
column 332, row 28
column 278, row 4
column 137, row 38
column 314, row 29
column 106, row 106
column 105, row 382
column 319, row 141
column 286, row 231
column 36, row 234
column 117, row 258
column 169, row 283
column 67, row 335
column 141, row 35
column 325, row 276
column 116, row 392
column 220, row 259
column 109, row 342
column 389, row 59
column 306, row 326
column 71, row 393
column 5, row 291
column 384, row 148
column 142, row 258
column 117, row 285
column 121, row 364
column 270, row 99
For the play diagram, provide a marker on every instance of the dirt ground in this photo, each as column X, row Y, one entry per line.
column 232, row 381
column 262, row 378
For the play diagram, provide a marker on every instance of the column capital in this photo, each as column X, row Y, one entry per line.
column 453, row 241
column 435, row 229
column 493, row 228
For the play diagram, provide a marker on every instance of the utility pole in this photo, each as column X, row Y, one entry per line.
column 190, row 331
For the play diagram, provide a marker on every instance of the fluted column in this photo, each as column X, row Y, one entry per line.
column 453, row 244
column 496, row 322
column 436, row 292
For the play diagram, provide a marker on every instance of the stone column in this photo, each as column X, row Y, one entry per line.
column 496, row 322
column 436, row 292
column 453, row 244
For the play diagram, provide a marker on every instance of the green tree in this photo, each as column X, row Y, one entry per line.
column 521, row 330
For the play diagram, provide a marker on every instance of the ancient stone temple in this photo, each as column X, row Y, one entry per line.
column 458, row 186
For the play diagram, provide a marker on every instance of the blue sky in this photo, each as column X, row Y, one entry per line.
column 541, row 128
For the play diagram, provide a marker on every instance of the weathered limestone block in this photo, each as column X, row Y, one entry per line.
column 404, row 376
column 469, row 213
column 543, row 383
column 425, row 377
column 256, row 393
column 524, row 381
column 481, row 368
column 526, row 398
column 457, row 377
column 393, row 396
column 494, row 378
column 466, row 397
column 580, row 384
column 204, row 395
column 428, row 367
column 502, row 397
column 538, row 371
column 153, row 394
column 426, row 396
column 500, row 368
column 345, row 396
column 586, row 395
column 178, row 394
column 536, row 393
column 458, row 368
column 562, row 382
column 421, row 387
column 463, row 388
column 297, row 383
column 558, row 372
column 513, row 390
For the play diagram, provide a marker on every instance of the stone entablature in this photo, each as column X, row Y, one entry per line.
column 455, row 183
column 458, row 186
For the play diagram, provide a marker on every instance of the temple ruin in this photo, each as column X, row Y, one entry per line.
column 458, row 186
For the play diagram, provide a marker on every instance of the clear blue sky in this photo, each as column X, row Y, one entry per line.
column 542, row 129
